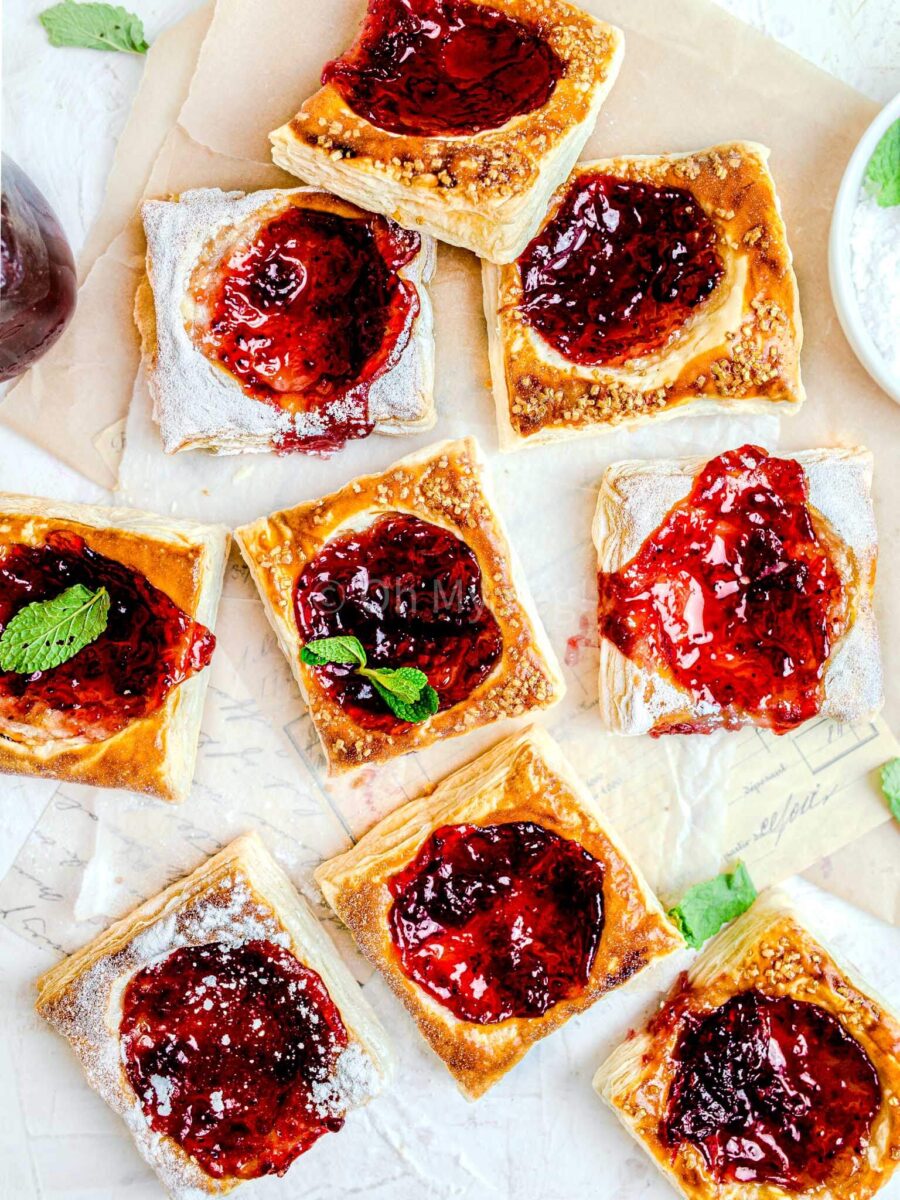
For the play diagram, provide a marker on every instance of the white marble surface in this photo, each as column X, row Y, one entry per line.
column 541, row 1133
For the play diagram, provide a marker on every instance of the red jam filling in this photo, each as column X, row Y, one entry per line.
column 618, row 270
column 411, row 593
column 771, row 1091
column 443, row 67
column 149, row 645
column 498, row 921
column 230, row 1051
column 310, row 314
column 735, row 596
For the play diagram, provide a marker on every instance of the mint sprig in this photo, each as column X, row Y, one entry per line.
column 47, row 633
column 405, row 690
column 705, row 908
column 94, row 27
column 890, row 785
column 883, row 171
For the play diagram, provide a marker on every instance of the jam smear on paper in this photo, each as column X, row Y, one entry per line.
column 231, row 1050
column 434, row 68
column 498, row 921
column 736, row 596
column 149, row 646
column 411, row 593
column 308, row 314
column 771, row 1090
column 618, row 270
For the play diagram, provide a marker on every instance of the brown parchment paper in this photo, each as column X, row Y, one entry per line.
column 692, row 76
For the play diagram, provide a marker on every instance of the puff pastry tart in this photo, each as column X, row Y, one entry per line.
column 413, row 564
column 124, row 710
column 767, row 1073
column 737, row 591
column 458, row 117
column 656, row 285
column 219, row 1021
column 283, row 319
column 497, row 906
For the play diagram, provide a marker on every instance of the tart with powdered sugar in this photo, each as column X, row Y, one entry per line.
column 219, row 1021
column 737, row 591
column 457, row 117
column 283, row 319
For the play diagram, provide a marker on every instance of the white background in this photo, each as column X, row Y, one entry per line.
column 62, row 113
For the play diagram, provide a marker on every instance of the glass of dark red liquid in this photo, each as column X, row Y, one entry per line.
column 37, row 273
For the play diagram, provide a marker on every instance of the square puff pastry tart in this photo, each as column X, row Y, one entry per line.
column 522, row 779
column 239, row 895
column 485, row 191
column 445, row 485
column 738, row 351
column 185, row 560
column 769, row 951
column 634, row 499
column 197, row 402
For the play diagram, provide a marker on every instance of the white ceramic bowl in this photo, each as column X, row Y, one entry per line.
column 839, row 266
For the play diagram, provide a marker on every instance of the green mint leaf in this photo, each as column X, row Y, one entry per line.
column 890, row 785
column 423, row 708
column 50, row 632
column 93, row 27
column 333, row 650
column 704, row 909
column 883, row 171
column 406, row 683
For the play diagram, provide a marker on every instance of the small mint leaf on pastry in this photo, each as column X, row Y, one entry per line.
column 890, row 785
column 406, row 683
column 344, row 649
column 47, row 633
column 705, row 908
column 883, row 171
column 94, row 27
column 419, row 710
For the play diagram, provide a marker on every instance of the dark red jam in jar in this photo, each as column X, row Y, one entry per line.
column 771, row 1090
column 230, row 1051
column 443, row 67
column 309, row 314
column 498, row 921
column 411, row 593
column 736, row 596
column 149, row 646
column 618, row 270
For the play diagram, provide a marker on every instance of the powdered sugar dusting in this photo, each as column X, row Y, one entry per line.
column 197, row 403
column 90, row 1011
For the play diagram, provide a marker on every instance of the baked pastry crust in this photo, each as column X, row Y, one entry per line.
column 524, row 778
column 237, row 895
column 740, row 351
column 768, row 949
column 199, row 404
column 486, row 191
column 184, row 559
column 447, row 485
column 634, row 499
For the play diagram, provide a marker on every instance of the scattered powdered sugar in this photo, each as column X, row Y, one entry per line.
column 355, row 1080
column 875, row 250
column 90, row 1012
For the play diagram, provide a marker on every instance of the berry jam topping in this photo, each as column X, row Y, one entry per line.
column 617, row 271
column 149, row 645
column 498, row 921
column 443, row 67
column 411, row 593
column 308, row 314
column 735, row 596
column 771, row 1091
column 231, row 1051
